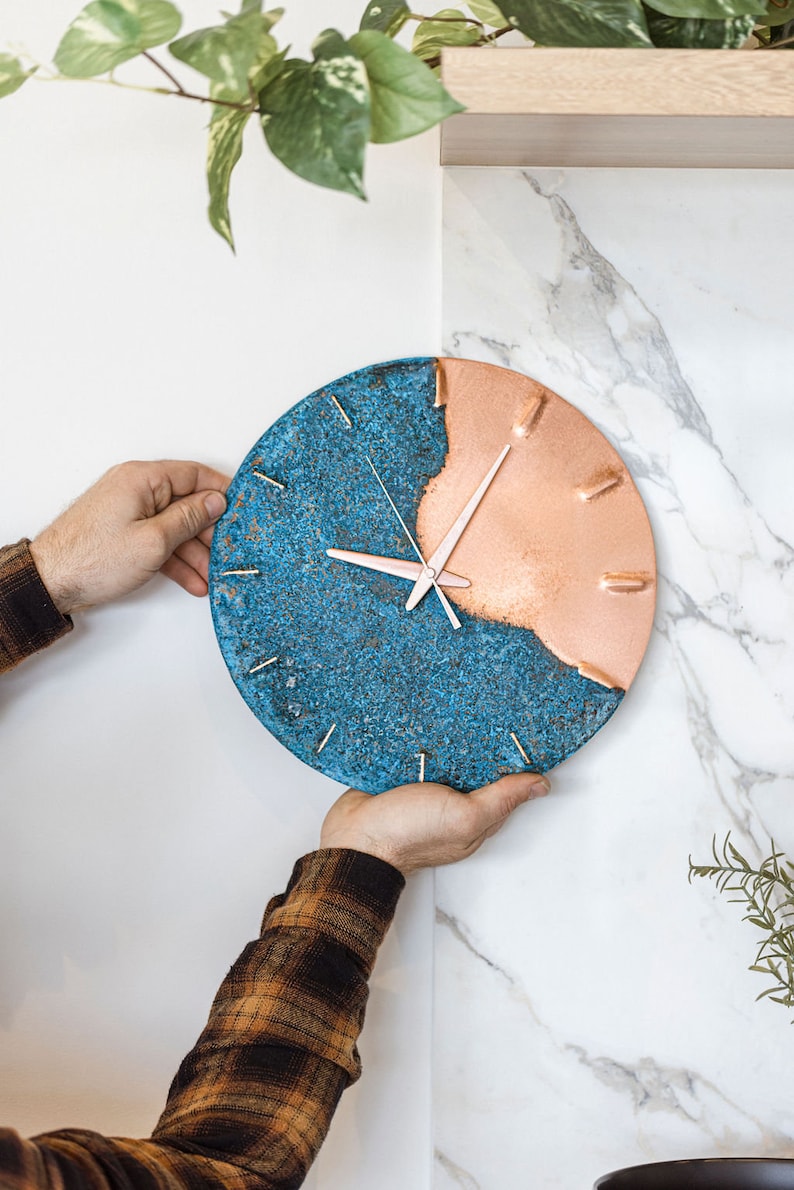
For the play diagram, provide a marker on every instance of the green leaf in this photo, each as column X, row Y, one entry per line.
column 259, row 78
column 316, row 115
column 432, row 35
column 109, row 32
column 406, row 96
column 580, row 22
column 273, row 15
column 229, row 54
column 777, row 15
column 12, row 74
column 686, row 33
column 487, row 12
column 387, row 16
column 223, row 152
column 160, row 21
column 710, row 10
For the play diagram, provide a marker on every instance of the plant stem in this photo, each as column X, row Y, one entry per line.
column 774, row 45
column 487, row 39
column 164, row 70
column 501, row 32
column 234, row 104
column 181, row 94
column 185, row 94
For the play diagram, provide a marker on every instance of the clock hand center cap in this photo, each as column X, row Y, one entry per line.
column 429, row 572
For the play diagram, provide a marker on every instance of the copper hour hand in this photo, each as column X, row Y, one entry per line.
column 439, row 558
column 398, row 567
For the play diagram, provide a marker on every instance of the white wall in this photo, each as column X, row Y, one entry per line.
column 146, row 815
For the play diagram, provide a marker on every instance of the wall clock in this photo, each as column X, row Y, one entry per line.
column 432, row 569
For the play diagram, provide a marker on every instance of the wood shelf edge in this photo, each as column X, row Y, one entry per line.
column 596, row 107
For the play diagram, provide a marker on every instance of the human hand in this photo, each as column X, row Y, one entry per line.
column 137, row 519
column 424, row 825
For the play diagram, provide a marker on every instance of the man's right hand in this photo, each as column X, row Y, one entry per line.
column 424, row 825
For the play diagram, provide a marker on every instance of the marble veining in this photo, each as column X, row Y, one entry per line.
column 592, row 1008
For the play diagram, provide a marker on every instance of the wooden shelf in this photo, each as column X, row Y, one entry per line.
column 611, row 107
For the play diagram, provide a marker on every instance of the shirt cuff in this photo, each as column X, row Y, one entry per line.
column 349, row 896
column 29, row 620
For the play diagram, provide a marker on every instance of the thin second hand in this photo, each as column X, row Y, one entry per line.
column 453, row 619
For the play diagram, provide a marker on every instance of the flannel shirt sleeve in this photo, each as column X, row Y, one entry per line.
column 29, row 620
column 251, row 1103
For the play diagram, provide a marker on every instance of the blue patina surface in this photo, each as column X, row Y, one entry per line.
column 395, row 683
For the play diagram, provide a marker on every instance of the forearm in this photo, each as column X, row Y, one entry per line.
column 295, row 1001
column 29, row 620
column 252, row 1102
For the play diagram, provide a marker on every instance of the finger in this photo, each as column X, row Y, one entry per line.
column 196, row 554
column 186, row 518
column 184, row 576
column 532, row 786
column 172, row 478
column 496, row 802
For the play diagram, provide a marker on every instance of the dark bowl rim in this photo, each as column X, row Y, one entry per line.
column 677, row 1163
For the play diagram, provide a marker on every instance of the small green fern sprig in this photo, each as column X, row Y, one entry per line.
column 768, row 894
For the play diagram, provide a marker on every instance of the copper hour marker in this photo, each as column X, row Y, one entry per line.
column 530, row 415
column 518, row 745
column 267, row 478
column 597, row 675
column 326, row 738
column 346, row 419
column 625, row 583
column 600, row 486
column 263, row 665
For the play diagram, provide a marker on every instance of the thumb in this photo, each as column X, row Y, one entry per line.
column 188, row 516
column 497, row 801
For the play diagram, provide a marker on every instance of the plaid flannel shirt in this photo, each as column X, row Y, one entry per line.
column 251, row 1103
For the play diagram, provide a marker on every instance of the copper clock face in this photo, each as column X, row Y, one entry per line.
column 433, row 569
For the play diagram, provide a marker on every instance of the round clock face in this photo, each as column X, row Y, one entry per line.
column 432, row 569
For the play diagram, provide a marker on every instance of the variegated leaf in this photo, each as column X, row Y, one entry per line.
column 223, row 152
column 710, row 10
column 432, row 35
column 487, row 12
column 316, row 115
column 407, row 98
column 387, row 16
column 109, row 32
column 228, row 54
column 12, row 74
column 580, row 22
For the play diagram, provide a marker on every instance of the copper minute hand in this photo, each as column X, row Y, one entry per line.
column 438, row 560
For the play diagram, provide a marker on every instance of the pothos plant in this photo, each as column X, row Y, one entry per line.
column 318, row 115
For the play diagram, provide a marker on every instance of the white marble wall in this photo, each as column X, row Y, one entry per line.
column 593, row 1010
